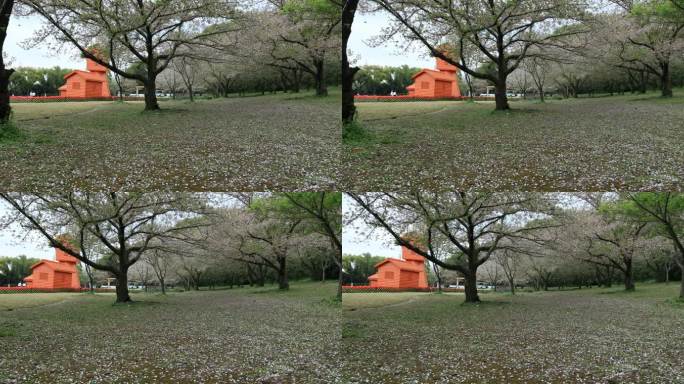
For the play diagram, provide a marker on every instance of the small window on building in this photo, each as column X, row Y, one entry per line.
column 43, row 276
column 425, row 85
column 389, row 275
column 76, row 86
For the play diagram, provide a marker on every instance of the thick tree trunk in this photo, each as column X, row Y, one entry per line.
column 122, row 287
column 340, row 277
column 162, row 283
column 471, row 295
column 642, row 82
column 192, row 96
column 512, row 285
column 629, row 276
column 681, row 286
column 500, row 95
column 541, row 94
column 348, row 107
column 283, row 282
column 5, row 109
column 151, row 95
column 666, row 80
column 321, row 86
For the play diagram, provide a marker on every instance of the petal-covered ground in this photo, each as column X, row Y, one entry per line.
column 623, row 142
column 227, row 336
column 272, row 142
column 588, row 336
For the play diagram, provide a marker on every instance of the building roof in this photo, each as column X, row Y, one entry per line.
column 55, row 266
column 402, row 264
column 90, row 76
column 437, row 75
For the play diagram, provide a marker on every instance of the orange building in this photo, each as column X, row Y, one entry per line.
column 93, row 82
column 407, row 272
column 439, row 82
column 58, row 274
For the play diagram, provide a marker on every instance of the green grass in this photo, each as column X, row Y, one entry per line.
column 619, row 142
column 37, row 111
column 220, row 336
column 12, row 301
column 589, row 335
column 354, row 301
column 9, row 132
column 283, row 141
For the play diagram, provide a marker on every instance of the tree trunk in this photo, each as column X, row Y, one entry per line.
column 471, row 295
column 321, row 86
column 666, row 80
column 512, row 285
column 192, row 97
column 667, row 274
column 162, row 283
column 122, row 287
column 439, row 281
column 340, row 277
column 642, row 82
column 348, row 107
column 283, row 283
column 91, row 283
column 151, row 95
column 629, row 276
column 5, row 109
column 681, row 286
column 500, row 95
column 541, row 94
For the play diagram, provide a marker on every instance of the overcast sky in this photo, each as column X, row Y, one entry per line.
column 354, row 243
column 366, row 26
column 20, row 29
column 12, row 242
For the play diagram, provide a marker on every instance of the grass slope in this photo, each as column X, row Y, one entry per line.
column 625, row 142
column 254, row 143
column 227, row 336
column 584, row 336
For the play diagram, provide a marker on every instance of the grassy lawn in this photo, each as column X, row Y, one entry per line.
column 279, row 141
column 625, row 142
column 12, row 301
column 583, row 336
column 224, row 336
column 36, row 111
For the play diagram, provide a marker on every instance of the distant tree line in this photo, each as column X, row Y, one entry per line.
column 382, row 80
column 357, row 268
column 13, row 270
column 40, row 81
